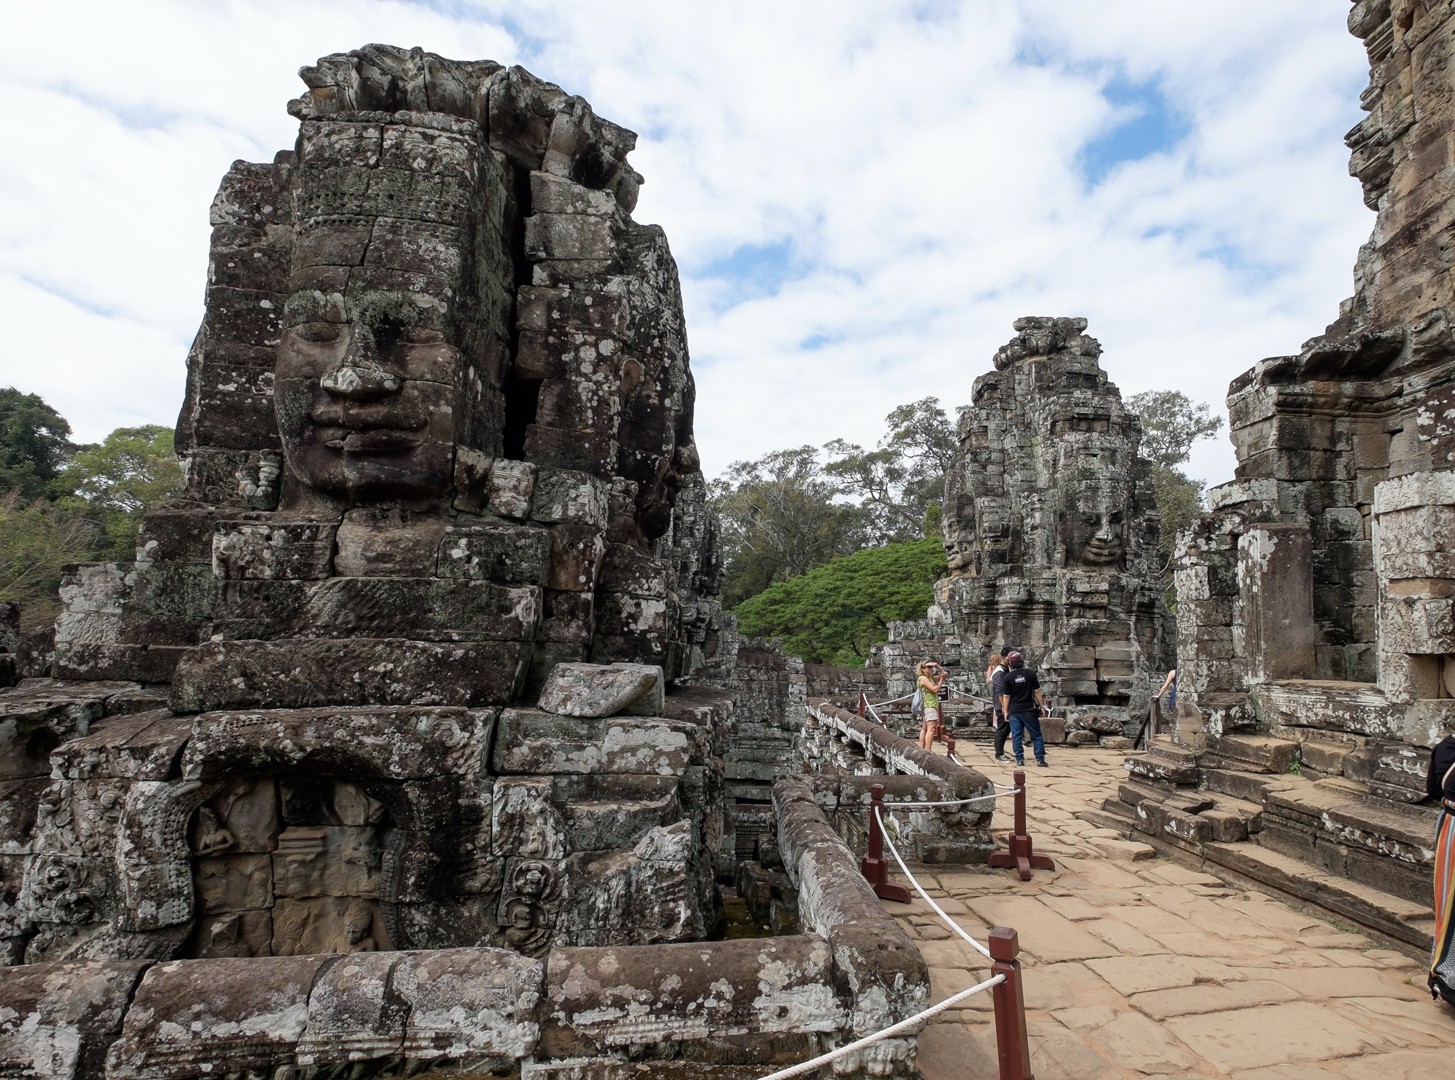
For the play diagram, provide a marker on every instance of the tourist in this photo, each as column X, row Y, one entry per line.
column 995, row 667
column 931, row 684
column 1440, row 784
column 1169, row 687
column 1021, row 700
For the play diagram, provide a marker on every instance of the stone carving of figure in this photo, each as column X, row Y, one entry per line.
column 959, row 531
column 354, row 932
column 212, row 836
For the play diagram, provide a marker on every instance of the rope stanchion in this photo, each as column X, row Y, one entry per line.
column 1021, row 855
column 1011, row 1038
column 873, row 866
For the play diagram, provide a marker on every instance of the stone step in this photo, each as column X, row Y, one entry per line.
column 1394, row 917
column 1323, row 758
column 1165, row 763
column 1250, row 753
column 1345, row 809
column 1249, row 787
column 1192, row 817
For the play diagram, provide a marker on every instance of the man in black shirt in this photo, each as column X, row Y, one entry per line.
column 1021, row 700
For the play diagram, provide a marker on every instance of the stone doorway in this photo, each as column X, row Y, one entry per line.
column 287, row 866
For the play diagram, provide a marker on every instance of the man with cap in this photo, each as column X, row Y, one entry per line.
column 1021, row 700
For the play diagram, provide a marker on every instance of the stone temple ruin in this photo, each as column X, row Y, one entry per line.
column 1051, row 538
column 367, row 763
column 1315, row 629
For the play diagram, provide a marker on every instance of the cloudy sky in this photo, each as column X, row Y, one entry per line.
column 862, row 195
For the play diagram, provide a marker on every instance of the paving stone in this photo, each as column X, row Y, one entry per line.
column 1048, row 937
column 1136, row 974
column 1271, row 1035
column 1064, row 986
column 1126, row 940
column 1399, row 1065
column 1195, row 1000
column 1127, row 850
column 1135, row 1042
column 1056, row 1054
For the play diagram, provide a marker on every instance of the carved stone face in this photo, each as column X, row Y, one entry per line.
column 365, row 398
column 1094, row 528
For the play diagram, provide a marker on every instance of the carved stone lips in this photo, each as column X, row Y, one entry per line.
column 385, row 441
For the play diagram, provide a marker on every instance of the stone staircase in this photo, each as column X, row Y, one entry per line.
column 1272, row 814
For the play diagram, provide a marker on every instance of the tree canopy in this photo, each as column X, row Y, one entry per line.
column 791, row 510
column 131, row 471
column 61, row 503
column 35, row 442
column 834, row 613
column 1171, row 423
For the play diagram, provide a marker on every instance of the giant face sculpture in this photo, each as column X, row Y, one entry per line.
column 397, row 289
column 1094, row 526
column 366, row 392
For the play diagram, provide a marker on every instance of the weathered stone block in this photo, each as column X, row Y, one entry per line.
column 506, row 554
column 242, row 550
column 318, row 672
column 220, row 1014
column 59, row 1019
column 511, row 484
column 595, row 690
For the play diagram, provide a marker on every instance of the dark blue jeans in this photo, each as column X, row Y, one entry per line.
column 1023, row 722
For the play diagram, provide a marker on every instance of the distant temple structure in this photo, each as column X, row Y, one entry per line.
column 1051, row 529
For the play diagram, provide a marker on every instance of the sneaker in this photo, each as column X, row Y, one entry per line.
column 1020, row 761
column 1002, row 757
column 1042, row 763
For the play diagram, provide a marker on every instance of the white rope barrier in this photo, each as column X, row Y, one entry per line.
column 957, row 802
column 889, row 1032
column 891, row 701
column 928, row 899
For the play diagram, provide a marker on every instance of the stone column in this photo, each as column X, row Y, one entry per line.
column 1414, row 517
column 1275, row 577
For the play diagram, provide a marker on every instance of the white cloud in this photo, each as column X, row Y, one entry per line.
column 923, row 174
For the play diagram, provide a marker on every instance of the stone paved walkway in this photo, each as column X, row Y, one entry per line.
column 1139, row 966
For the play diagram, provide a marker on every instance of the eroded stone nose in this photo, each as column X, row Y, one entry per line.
column 359, row 374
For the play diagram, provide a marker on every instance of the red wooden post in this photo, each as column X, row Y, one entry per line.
column 1021, row 855
column 1011, row 1041
column 863, row 709
column 873, row 866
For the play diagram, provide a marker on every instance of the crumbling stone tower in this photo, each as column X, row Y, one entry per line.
column 1327, row 558
column 1051, row 526
column 437, row 439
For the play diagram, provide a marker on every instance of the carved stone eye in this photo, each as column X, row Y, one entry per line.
column 319, row 332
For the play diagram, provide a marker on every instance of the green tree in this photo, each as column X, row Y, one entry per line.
column 834, row 613
column 35, row 442
column 895, row 483
column 1171, row 423
column 132, row 471
column 37, row 538
column 779, row 519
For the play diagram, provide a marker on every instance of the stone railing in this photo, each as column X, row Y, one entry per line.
column 842, row 754
column 579, row 1013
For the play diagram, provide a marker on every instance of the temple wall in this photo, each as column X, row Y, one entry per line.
column 584, row 1013
column 1348, row 447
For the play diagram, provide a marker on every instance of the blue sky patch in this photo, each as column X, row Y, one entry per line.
column 71, row 298
column 1151, row 126
column 754, row 270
